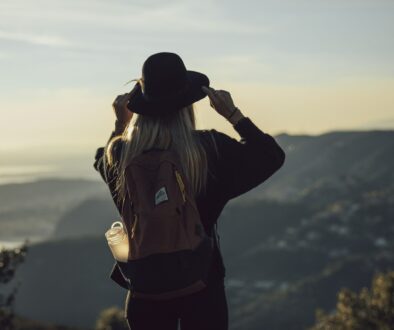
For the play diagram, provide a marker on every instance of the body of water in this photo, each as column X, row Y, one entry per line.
column 29, row 173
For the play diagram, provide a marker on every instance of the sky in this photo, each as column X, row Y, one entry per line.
column 292, row 66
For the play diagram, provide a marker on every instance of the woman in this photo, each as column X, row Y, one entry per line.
column 159, row 113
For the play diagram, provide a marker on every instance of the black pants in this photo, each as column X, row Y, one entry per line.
column 204, row 310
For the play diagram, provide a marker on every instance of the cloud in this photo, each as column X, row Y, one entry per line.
column 35, row 39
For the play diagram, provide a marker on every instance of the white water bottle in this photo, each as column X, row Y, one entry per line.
column 118, row 241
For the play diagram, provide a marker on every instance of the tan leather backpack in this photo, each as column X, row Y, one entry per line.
column 169, row 250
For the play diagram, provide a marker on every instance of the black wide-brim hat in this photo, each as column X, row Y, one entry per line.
column 166, row 86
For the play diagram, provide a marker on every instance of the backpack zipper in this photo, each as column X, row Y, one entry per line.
column 133, row 228
column 181, row 185
column 182, row 189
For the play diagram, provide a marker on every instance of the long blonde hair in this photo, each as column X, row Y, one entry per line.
column 177, row 131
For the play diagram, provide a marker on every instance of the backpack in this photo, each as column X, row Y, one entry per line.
column 169, row 251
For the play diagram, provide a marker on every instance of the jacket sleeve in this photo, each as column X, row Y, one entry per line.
column 244, row 164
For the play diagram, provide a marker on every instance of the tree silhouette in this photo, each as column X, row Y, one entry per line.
column 371, row 309
column 9, row 261
column 111, row 318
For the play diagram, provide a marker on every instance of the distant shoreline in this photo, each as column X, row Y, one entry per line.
column 27, row 174
column 32, row 179
column 12, row 244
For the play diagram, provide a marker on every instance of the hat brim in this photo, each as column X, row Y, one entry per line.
column 192, row 93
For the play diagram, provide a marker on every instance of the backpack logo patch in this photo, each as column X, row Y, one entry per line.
column 161, row 196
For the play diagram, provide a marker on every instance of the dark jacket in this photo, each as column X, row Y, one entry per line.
column 235, row 167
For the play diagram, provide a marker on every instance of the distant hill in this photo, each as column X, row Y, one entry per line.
column 92, row 216
column 331, row 160
column 67, row 282
column 281, row 280
column 21, row 323
column 292, row 306
column 32, row 209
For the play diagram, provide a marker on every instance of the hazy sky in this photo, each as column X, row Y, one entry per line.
column 301, row 67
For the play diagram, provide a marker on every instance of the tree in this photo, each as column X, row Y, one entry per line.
column 112, row 318
column 9, row 261
column 368, row 310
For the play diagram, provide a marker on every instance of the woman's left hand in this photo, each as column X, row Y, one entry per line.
column 122, row 113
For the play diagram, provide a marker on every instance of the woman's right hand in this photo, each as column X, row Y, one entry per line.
column 122, row 113
column 222, row 102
